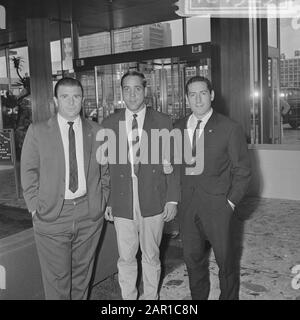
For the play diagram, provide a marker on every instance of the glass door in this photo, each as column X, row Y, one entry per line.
column 165, row 77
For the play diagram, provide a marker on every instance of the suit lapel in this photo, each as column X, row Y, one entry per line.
column 210, row 127
column 57, row 147
column 146, row 135
column 87, row 144
column 121, row 134
column 187, row 146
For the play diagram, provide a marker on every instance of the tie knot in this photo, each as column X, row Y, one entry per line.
column 198, row 124
column 135, row 115
column 70, row 123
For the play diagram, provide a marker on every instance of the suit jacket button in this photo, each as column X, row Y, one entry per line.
column 122, row 175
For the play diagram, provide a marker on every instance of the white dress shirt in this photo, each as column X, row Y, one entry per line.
column 64, row 131
column 192, row 124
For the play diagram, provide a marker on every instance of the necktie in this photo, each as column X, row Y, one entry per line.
column 135, row 144
column 195, row 139
column 73, row 170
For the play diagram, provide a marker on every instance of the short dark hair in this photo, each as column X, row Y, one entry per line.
column 134, row 73
column 67, row 81
column 198, row 79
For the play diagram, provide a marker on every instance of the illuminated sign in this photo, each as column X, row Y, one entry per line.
column 239, row 8
column 2, row 17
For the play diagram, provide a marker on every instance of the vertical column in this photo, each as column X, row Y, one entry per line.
column 75, row 40
column 264, row 91
column 231, row 68
column 184, row 35
column 1, row 118
column 38, row 38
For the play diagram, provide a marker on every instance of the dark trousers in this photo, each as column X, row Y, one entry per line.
column 205, row 222
column 66, row 250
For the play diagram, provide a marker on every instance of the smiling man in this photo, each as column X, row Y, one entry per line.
column 143, row 196
column 209, row 199
column 65, row 190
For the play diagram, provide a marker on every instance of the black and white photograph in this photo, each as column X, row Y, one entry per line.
column 149, row 151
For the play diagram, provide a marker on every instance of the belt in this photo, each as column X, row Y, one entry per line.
column 76, row 201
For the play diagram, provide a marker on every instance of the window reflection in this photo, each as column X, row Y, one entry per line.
column 290, row 82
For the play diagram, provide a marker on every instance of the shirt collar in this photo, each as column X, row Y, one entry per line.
column 64, row 122
column 129, row 114
column 193, row 119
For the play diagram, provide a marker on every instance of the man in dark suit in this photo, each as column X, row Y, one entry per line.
column 211, row 191
column 143, row 195
column 65, row 190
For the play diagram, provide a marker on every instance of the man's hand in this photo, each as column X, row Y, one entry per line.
column 170, row 211
column 108, row 214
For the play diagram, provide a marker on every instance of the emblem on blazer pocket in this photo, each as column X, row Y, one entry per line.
column 168, row 168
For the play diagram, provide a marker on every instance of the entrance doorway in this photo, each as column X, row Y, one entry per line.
column 166, row 71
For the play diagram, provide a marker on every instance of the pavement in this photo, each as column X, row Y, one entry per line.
column 267, row 237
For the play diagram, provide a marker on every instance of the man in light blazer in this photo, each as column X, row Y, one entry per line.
column 143, row 195
column 66, row 191
column 211, row 192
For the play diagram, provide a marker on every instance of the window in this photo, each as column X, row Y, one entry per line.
column 198, row 30
column 290, row 81
column 96, row 44
column 272, row 33
column 3, row 71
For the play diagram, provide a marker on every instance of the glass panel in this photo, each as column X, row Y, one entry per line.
column 123, row 40
column 3, row 70
column 61, row 60
column 165, row 85
column 19, row 71
column 276, row 116
column 56, row 57
column 15, row 97
column 255, row 90
column 272, row 32
column 4, row 81
column 20, row 54
column 87, row 80
column 61, row 50
column 290, row 81
column 138, row 38
column 198, row 30
column 176, row 32
column 96, row 44
column 145, row 37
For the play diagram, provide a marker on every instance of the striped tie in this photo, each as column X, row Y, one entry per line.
column 73, row 170
column 135, row 144
column 195, row 139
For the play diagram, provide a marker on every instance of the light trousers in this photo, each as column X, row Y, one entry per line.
column 145, row 232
